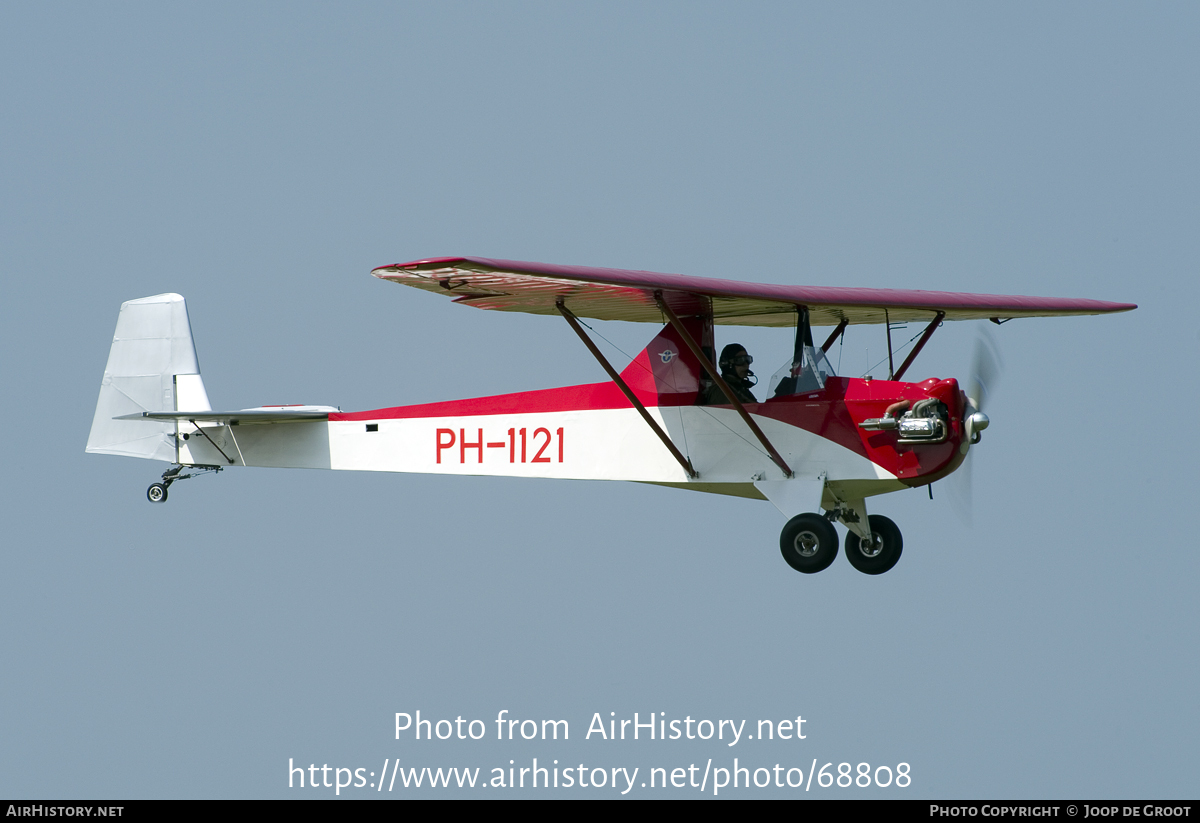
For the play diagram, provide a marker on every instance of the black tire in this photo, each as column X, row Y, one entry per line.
column 876, row 560
column 157, row 493
column 809, row 543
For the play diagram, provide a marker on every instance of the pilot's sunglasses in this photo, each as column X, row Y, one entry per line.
column 742, row 360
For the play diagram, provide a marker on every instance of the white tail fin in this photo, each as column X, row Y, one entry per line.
column 151, row 367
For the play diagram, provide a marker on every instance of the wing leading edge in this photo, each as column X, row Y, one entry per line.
column 616, row 294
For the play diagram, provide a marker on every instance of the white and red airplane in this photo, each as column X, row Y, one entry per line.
column 819, row 441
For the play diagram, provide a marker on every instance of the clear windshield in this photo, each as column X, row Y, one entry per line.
column 808, row 375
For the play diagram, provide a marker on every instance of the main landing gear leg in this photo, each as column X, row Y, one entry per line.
column 157, row 493
column 873, row 543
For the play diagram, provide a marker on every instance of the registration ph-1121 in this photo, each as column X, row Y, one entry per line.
column 521, row 446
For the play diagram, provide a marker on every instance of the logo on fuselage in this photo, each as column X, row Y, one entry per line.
column 668, row 355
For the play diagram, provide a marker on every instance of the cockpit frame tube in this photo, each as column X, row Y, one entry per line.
column 803, row 338
column 573, row 322
column 721, row 384
column 887, row 322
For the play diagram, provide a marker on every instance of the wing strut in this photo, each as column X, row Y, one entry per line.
column 715, row 375
column 920, row 345
column 637, row 404
column 841, row 327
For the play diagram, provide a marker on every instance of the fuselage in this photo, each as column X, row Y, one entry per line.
column 593, row 432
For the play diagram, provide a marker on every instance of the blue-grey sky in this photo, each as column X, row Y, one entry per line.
column 261, row 158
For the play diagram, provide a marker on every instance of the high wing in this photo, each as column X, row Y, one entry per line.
column 615, row 294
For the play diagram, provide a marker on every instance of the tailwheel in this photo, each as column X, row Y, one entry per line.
column 157, row 493
column 809, row 543
column 881, row 553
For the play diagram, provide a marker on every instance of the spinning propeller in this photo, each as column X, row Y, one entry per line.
column 986, row 368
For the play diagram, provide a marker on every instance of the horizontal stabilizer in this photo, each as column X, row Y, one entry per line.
column 243, row 416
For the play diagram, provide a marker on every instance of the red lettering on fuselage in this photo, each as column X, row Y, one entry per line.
column 542, row 440
column 444, row 445
column 463, row 445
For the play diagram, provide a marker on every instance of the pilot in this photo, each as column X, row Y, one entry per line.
column 735, row 371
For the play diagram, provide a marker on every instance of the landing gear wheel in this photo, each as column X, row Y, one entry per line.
column 809, row 543
column 157, row 493
column 879, row 556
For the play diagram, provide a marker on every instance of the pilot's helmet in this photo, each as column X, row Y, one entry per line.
column 729, row 353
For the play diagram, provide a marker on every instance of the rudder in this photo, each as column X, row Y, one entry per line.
column 152, row 366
